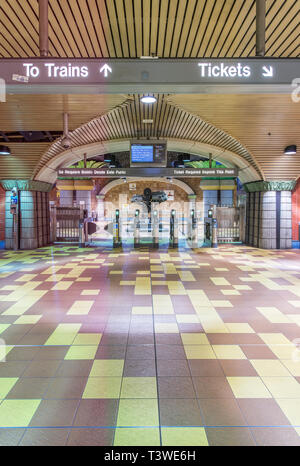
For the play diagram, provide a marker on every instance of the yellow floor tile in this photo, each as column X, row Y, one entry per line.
column 81, row 352
column 274, row 315
column 166, row 328
column 194, row 339
column 107, row 368
column 248, row 387
column 87, row 339
column 80, row 307
column 220, row 303
column 292, row 366
column 239, row 328
column 230, row 292
column 228, row 352
column 28, row 319
column 184, row 436
column 282, row 387
column 137, row 437
column 90, row 292
column 269, row 367
column 199, row 352
column 64, row 334
column 102, row 387
column 187, row 318
column 162, row 304
column 291, row 409
column 219, row 281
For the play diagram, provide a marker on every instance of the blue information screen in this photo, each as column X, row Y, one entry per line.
column 141, row 153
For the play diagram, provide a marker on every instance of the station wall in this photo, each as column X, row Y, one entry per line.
column 2, row 217
column 296, row 215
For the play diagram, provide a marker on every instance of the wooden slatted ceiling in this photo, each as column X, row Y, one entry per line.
column 169, row 121
column 250, row 119
column 21, row 164
column 45, row 112
column 132, row 28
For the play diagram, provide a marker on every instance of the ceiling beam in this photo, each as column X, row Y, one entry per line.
column 260, row 28
column 43, row 28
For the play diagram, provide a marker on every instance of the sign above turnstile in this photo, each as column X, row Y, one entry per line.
column 146, row 172
column 145, row 75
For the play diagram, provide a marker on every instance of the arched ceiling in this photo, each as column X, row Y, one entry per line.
column 181, row 184
column 169, row 122
column 265, row 124
column 135, row 28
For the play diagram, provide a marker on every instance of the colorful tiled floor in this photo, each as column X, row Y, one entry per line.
column 111, row 347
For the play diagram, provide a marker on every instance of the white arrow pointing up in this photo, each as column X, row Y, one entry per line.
column 105, row 68
column 267, row 71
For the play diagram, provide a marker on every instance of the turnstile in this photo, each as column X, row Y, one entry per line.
column 155, row 229
column 117, row 239
column 193, row 229
column 137, row 227
column 173, row 230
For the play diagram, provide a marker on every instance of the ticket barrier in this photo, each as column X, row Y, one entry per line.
column 117, row 238
column 14, row 210
column 211, row 229
column 193, row 229
column 173, row 230
column 137, row 228
column 155, row 229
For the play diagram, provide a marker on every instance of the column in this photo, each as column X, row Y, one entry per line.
column 34, row 215
column 269, row 214
column 100, row 206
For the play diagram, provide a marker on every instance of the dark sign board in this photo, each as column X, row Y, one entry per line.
column 145, row 75
column 146, row 172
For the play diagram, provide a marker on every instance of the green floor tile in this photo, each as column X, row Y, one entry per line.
column 6, row 384
column 139, row 387
column 81, row 352
column 137, row 437
column 28, row 319
column 138, row 413
column 3, row 327
column 64, row 334
column 107, row 368
column 87, row 339
column 102, row 387
column 183, row 436
column 17, row 413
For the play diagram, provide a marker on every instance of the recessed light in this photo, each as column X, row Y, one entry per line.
column 290, row 150
column 4, row 150
column 148, row 99
column 147, row 121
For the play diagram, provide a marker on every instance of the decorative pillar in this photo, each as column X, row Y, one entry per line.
column 269, row 214
column 100, row 206
column 34, row 219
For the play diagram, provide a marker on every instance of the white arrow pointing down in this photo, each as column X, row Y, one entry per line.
column 105, row 68
column 267, row 71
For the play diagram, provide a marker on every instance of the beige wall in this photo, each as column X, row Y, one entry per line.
column 119, row 196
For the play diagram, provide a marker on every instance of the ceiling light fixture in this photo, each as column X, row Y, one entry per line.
column 290, row 150
column 148, row 99
column 4, row 150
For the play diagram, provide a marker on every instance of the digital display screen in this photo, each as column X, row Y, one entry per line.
column 148, row 153
column 140, row 153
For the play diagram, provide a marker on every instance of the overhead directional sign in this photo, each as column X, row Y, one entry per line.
column 144, row 172
column 148, row 75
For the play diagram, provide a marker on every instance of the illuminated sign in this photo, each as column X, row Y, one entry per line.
column 146, row 171
column 142, row 76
